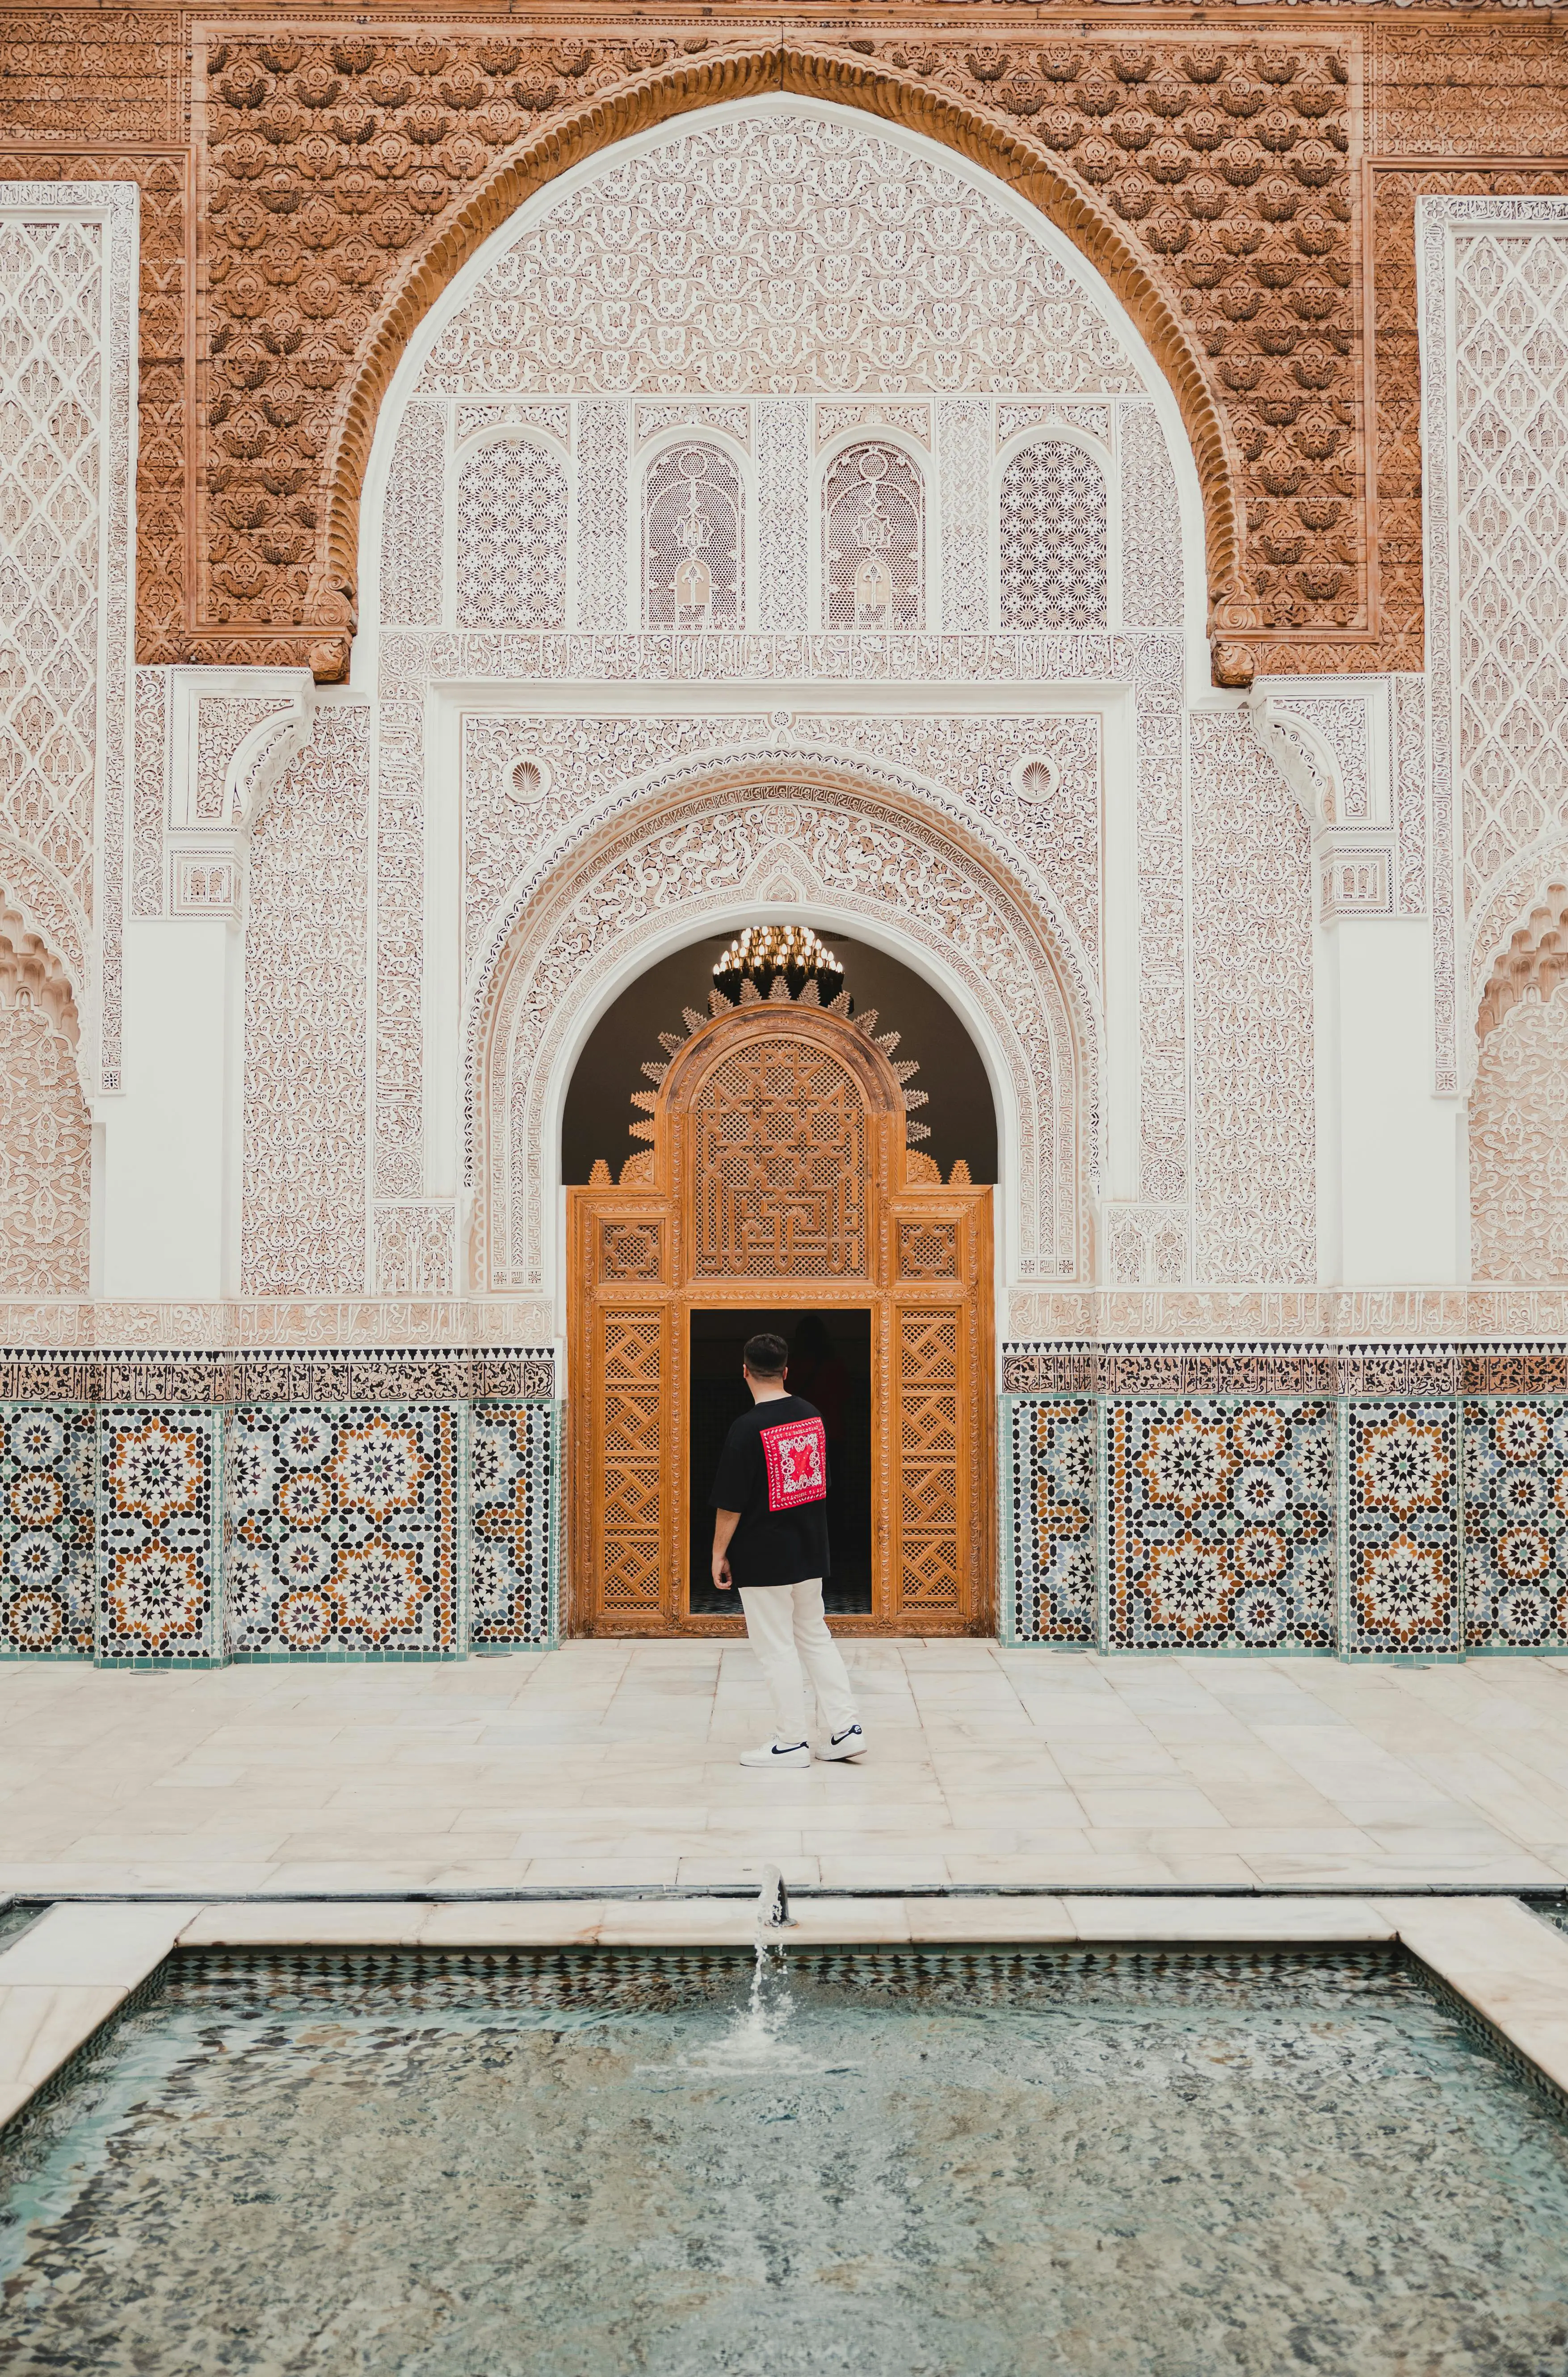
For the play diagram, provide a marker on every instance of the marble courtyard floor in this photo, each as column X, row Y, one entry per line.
column 605, row 1764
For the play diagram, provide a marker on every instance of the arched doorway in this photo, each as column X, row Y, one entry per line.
column 779, row 1175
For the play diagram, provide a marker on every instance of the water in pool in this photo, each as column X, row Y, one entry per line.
column 895, row 2164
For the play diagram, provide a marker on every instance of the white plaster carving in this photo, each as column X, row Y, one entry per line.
column 415, row 1249
column 67, row 359
column 1492, row 276
column 730, row 420
column 962, row 456
column 512, row 536
column 411, row 531
column 233, row 732
column 1519, row 1145
column 603, row 515
column 1152, row 561
column 783, row 514
column 1146, row 1245
column 46, row 1140
column 1253, row 1119
column 792, row 225
column 707, row 850
column 149, row 804
column 1410, row 783
column 398, row 1133
column 1305, row 759
column 598, row 766
column 1342, row 723
column 306, row 1061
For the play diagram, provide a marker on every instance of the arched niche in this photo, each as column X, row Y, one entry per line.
column 777, row 1173
column 960, row 1119
column 1049, row 320
column 702, row 858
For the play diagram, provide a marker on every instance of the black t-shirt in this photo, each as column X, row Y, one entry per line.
column 774, row 1470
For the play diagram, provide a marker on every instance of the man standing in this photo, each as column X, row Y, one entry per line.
column 770, row 1540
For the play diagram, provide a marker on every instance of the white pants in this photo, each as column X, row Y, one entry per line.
column 787, row 1629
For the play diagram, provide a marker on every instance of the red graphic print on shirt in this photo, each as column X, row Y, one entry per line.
column 797, row 1455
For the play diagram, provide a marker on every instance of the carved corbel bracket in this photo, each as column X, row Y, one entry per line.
column 1355, row 863
column 234, row 731
column 1304, row 757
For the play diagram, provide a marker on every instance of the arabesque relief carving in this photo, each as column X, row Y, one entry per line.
column 347, row 172
column 1208, row 180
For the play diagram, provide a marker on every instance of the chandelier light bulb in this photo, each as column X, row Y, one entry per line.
column 759, row 953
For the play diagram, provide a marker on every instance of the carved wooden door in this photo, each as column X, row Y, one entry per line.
column 778, row 1174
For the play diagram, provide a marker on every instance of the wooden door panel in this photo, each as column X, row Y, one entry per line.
column 778, row 1174
column 633, row 1466
column 927, row 1449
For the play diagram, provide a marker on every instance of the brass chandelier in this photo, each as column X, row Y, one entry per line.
column 764, row 954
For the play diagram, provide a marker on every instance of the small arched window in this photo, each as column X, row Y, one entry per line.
column 693, row 561
column 1053, row 538
column 512, row 537
column 873, row 539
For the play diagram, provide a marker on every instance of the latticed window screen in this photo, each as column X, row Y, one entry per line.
column 512, row 537
column 692, row 553
column 780, row 1130
column 873, row 538
column 1053, row 538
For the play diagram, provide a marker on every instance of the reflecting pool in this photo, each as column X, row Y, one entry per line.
column 899, row 2164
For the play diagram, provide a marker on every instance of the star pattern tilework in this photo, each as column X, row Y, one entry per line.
column 47, row 1493
column 1049, row 1520
column 1400, row 1588
column 514, row 1488
column 159, row 1537
column 1517, row 1524
column 342, row 1529
column 1220, row 1514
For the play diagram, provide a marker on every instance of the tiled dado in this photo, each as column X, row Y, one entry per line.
column 343, row 1531
column 1219, row 1522
column 165, row 1535
column 1340, row 1522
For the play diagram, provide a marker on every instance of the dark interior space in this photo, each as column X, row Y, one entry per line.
column 830, row 1366
column 960, row 1116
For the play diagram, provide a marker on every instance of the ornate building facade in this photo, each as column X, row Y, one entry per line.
column 1081, row 508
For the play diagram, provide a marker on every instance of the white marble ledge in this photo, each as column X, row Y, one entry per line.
column 64, row 1977
column 1504, row 1960
column 845, row 1921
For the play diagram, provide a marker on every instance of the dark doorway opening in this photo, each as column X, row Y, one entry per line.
column 829, row 1364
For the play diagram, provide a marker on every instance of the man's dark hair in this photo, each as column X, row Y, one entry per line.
column 765, row 1357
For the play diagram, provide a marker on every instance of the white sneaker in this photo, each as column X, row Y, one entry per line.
column 772, row 1753
column 847, row 1744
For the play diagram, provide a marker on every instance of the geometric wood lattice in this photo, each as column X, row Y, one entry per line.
column 633, row 1457
column 928, row 1448
column 781, row 1160
column 777, row 1172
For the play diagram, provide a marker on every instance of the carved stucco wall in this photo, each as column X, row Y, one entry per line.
column 816, row 835
column 780, row 254
column 66, row 312
column 46, row 1136
column 1519, row 1145
column 1210, row 174
column 1495, row 365
column 304, row 1229
column 393, row 130
column 1254, row 1128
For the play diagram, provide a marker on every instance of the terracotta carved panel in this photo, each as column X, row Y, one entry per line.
column 346, row 173
column 343, row 167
